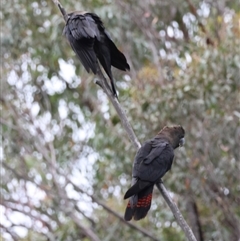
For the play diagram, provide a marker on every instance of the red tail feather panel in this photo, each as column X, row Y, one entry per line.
column 145, row 201
column 140, row 208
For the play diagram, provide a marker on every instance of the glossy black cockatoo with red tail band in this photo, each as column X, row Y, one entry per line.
column 91, row 42
column 151, row 162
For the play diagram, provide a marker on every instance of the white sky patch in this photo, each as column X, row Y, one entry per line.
column 188, row 19
column 63, row 109
column 117, row 191
column 168, row 45
column 85, row 203
column 122, row 84
column 19, row 218
column 80, row 116
column 204, row 10
column 80, row 135
column 4, row 220
column 175, row 24
column 21, row 231
column 15, row 80
column 67, row 71
column 47, row 24
column 178, row 33
column 188, row 57
column 170, row 31
column 42, row 123
column 34, row 192
column 162, row 53
column 127, row 77
column 181, row 63
column 54, row 85
column 84, row 133
column 83, row 173
column 1, row 153
column 123, row 181
column 80, row 176
column 228, row 17
column 105, row 104
column 162, row 33
column 40, row 68
column 72, row 193
column 76, row 109
column 35, row 108
column 12, row 78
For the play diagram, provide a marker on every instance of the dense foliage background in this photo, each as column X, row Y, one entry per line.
column 66, row 160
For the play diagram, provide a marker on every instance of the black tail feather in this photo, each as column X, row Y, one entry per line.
column 136, row 188
column 118, row 60
column 129, row 212
column 104, row 56
column 132, row 190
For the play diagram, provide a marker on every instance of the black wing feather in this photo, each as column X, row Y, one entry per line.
column 81, row 32
column 90, row 41
column 118, row 60
column 153, row 160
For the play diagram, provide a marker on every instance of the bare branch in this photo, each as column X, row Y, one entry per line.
column 176, row 212
column 62, row 10
column 122, row 115
column 119, row 109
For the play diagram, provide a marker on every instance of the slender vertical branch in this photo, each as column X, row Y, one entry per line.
column 102, row 82
column 62, row 10
column 119, row 109
column 176, row 212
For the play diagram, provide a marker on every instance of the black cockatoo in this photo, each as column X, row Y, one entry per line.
column 91, row 42
column 151, row 162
